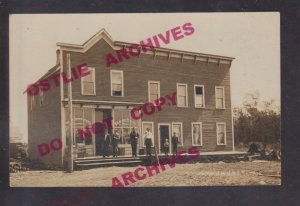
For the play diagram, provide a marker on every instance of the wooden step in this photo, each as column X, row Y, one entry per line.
column 101, row 164
column 107, row 163
column 105, row 160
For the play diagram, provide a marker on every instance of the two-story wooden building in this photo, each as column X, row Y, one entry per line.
column 202, row 115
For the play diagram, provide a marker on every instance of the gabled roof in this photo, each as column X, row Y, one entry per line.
column 102, row 34
column 49, row 73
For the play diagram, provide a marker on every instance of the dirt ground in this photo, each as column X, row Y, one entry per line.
column 198, row 174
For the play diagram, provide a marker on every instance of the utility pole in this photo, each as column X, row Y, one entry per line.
column 70, row 146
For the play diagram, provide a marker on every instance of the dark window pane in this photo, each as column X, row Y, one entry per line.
column 199, row 90
column 117, row 93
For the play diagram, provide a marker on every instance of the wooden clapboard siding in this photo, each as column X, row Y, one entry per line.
column 139, row 70
column 44, row 124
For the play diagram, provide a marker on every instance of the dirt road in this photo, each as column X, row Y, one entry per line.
column 199, row 174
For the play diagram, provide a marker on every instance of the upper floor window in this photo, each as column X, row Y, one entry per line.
column 221, row 133
column 88, row 83
column 117, row 85
column 220, row 98
column 199, row 96
column 153, row 90
column 182, row 95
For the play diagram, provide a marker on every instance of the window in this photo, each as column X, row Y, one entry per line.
column 82, row 118
column 153, row 90
column 116, row 79
column 182, row 100
column 88, row 83
column 220, row 98
column 145, row 126
column 197, row 133
column 124, row 124
column 221, row 133
column 199, row 96
column 177, row 128
column 41, row 98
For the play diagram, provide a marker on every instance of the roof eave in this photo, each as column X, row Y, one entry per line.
column 120, row 43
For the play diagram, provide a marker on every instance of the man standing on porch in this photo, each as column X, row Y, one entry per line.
column 148, row 141
column 134, row 141
column 107, row 142
column 174, row 143
column 115, row 143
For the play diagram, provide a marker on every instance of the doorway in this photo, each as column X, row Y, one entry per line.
column 163, row 134
column 100, row 115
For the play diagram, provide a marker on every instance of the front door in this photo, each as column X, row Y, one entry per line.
column 100, row 115
column 164, row 136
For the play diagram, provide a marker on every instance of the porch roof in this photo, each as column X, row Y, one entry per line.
column 103, row 102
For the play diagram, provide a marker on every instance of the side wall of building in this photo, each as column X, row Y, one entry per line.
column 44, row 124
column 139, row 70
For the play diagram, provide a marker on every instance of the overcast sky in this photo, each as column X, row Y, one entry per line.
column 252, row 38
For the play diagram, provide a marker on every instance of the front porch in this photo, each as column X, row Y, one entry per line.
column 127, row 160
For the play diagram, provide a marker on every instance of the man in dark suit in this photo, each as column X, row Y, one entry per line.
column 134, row 141
column 107, row 142
column 174, row 143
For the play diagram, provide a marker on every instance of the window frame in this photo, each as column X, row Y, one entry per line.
column 82, row 109
column 155, row 82
column 200, row 123
column 122, row 127
column 186, row 98
column 181, row 139
column 221, row 123
column 220, row 87
column 94, row 81
column 199, row 85
column 111, row 88
column 142, row 134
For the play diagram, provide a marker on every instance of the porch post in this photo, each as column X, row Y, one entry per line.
column 70, row 146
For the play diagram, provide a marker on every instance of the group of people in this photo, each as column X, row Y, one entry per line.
column 148, row 137
column 114, row 142
column 114, row 139
column 174, row 141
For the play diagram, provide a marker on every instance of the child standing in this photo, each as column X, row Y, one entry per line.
column 166, row 146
